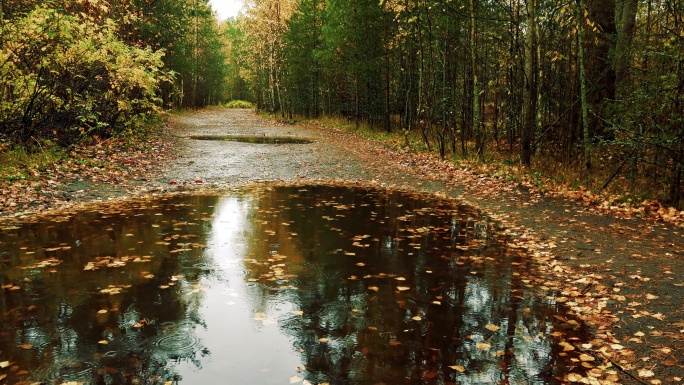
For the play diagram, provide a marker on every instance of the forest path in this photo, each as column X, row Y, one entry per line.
column 636, row 265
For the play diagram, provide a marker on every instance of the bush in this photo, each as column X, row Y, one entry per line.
column 66, row 77
column 239, row 104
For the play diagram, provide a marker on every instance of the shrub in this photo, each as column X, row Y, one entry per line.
column 239, row 104
column 66, row 77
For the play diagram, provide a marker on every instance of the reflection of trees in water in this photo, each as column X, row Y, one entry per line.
column 61, row 313
column 470, row 310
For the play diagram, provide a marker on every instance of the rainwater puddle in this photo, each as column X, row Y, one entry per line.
column 254, row 139
column 281, row 285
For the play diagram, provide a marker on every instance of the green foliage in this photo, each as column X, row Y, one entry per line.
column 67, row 77
column 239, row 104
column 20, row 163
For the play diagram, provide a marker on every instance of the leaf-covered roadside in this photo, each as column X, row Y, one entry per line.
column 489, row 178
column 114, row 167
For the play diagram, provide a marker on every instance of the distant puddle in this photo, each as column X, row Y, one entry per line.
column 254, row 139
column 284, row 285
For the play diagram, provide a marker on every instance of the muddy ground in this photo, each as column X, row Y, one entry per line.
column 633, row 267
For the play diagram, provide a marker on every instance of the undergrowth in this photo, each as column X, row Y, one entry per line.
column 501, row 161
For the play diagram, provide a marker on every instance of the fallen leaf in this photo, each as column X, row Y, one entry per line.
column 458, row 368
column 483, row 346
column 491, row 327
column 646, row 373
column 586, row 357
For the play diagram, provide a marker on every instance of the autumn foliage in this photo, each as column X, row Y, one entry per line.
column 67, row 76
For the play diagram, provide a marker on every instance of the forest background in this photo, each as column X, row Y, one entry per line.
column 588, row 93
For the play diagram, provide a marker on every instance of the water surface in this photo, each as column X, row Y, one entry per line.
column 280, row 285
column 259, row 139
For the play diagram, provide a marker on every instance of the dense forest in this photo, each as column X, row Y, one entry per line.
column 595, row 86
column 589, row 87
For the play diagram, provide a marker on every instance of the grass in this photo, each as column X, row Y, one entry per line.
column 20, row 163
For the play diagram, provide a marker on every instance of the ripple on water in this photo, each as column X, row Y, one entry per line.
column 177, row 344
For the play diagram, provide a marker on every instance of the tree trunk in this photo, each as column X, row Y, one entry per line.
column 599, row 43
column 583, row 90
column 530, row 87
column 476, row 117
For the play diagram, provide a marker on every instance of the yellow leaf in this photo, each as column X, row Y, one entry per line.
column 373, row 288
column 566, row 346
column 458, row 368
column 416, row 318
column 646, row 373
column 103, row 342
column 483, row 346
column 574, row 377
column 586, row 357
column 492, row 327
column 403, row 288
column 4, row 364
column 323, row 340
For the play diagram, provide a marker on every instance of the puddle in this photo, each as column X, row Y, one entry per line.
column 277, row 285
column 254, row 139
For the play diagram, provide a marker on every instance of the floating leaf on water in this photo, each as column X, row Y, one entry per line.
column 103, row 342
column 646, row 373
column 483, row 346
column 4, row 364
column 323, row 340
column 400, row 279
column 491, row 327
column 416, row 318
column 103, row 311
column 373, row 288
column 458, row 368
column 403, row 288
column 298, row 313
column 360, row 264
